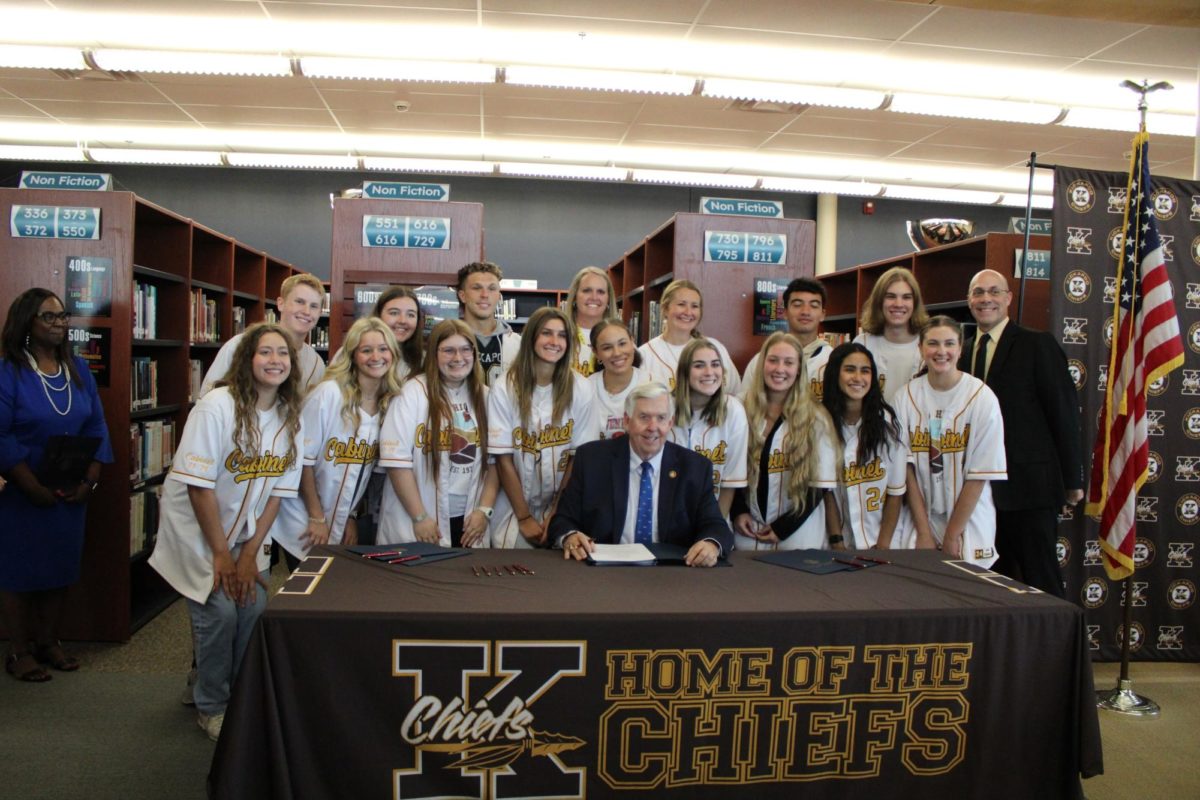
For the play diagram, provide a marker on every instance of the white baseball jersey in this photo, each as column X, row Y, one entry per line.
column 208, row 457
column 660, row 359
column 811, row 533
column 863, row 487
column 312, row 368
column 724, row 445
column 816, row 355
column 610, row 408
column 955, row 436
column 341, row 457
column 541, row 452
column 404, row 443
column 896, row 364
column 585, row 363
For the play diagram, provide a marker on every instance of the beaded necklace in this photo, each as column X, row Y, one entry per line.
column 48, row 387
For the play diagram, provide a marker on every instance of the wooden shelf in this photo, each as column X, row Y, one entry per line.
column 156, row 274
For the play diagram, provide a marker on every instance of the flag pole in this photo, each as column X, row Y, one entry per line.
column 1033, row 165
column 1122, row 698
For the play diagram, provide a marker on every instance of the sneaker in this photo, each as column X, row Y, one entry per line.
column 186, row 697
column 211, row 723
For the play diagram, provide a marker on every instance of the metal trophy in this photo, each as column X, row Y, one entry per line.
column 927, row 233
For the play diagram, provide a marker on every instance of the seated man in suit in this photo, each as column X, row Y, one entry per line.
column 641, row 488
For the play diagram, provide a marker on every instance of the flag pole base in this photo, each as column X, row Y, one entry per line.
column 1124, row 700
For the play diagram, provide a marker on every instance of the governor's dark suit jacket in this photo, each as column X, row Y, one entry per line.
column 596, row 496
column 1041, row 419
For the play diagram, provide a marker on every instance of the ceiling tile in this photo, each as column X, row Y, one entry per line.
column 276, row 92
column 1172, row 47
column 126, row 112
column 260, row 115
column 780, row 42
column 66, row 89
column 855, row 19
column 383, row 100
column 678, row 11
column 193, row 8
column 976, row 156
column 796, row 145
column 1001, row 135
column 671, row 134
column 549, row 128
column 621, row 111
column 573, row 26
column 358, row 121
column 864, row 124
column 999, row 31
column 313, row 13
column 16, row 108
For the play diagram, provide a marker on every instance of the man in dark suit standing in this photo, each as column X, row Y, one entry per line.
column 1028, row 372
column 640, row 488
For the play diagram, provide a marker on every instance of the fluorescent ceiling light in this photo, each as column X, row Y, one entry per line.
column 441, row 165
column 942, row 195
column 814, row 186
column 33, row 57
column 600, row 80
column 1018, row 200
column 394, row 70
column 25, row 152
column 793, row 93
column 582, row 171
column 202, row 158
column 694, row 178
column 291, row 161
column 176, row 61
column 975, row 108
column 1127, row 120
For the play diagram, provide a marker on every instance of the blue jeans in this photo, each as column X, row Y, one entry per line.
column 220, row 632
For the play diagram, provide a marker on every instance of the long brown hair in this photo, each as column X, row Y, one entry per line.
column 343, row 371
column 413, row 350
column 439, row 399
column 714, row 410
column 240, row 380
column 522, row 375
column 872, row 313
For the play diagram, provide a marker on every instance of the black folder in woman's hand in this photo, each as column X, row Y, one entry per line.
column 65, row 461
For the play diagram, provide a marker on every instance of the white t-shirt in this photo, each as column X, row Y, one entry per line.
column 724, row 445
column 955, row 436
column 342, row 459
column 610, row 408
column 897, row 364
column 208, row 457
column 312, row 368
column 863, row 488
column 660, row 359
column 816, row 355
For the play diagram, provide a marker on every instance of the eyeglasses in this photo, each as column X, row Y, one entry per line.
column 993, row 292
column 49, row 317
column 450, row 352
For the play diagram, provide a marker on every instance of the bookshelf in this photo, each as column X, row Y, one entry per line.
column 523, row 302
column 676, row 251
column 160, row 260
column 944, row 273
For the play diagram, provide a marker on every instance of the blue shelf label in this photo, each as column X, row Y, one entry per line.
column 739, row 247
column 389, row 190
column 1037, row 268
column 772, row 209
column 76, row 181
column 54, row 222
column 1036, row 226
column 419, row 233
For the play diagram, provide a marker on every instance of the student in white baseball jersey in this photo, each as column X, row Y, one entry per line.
column 299, row 303
column 590, row 298
column 619, row 372
column 710, row 420
column 540, row 412
column 956, row 448
column 434, row 446
column 892, row 319
column 682, row 308
column 341, row 440
column 804, row 308
column 239, row 455
column 792, row 461
column 869, row 511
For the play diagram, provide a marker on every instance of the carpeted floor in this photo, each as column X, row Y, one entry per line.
column 116, row 729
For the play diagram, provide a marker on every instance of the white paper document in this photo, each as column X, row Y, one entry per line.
column 621, row 554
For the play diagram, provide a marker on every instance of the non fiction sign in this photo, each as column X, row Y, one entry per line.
column 54, row 222
column 1037, row 268
column 743, row 208
column 422, row 233
column 1036, row 226
column 739, row 247
column 392, row 190
column 76, row 181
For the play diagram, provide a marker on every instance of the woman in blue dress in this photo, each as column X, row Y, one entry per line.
column 44, row 391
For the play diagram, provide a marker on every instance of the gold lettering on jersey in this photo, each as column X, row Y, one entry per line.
column 445, row 438
column 585, row 368
column 854, row 474
column 534, row 442
column 919, row 440
column 351, row 451
column 778, row 461
column 248, row 467
column 817, row 388
column 714, row 454
column 764, row 715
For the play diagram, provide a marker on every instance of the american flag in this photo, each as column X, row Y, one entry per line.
column 1145, row 346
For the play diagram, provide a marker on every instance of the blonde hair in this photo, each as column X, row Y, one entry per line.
column 302, row 279
column 714, row 410
column 244, row 391
column 872, row 312
column 804, row 418
column 343, row 371
column 573, row 290
column 668, row 293
column 439, row 401
column 522, row 378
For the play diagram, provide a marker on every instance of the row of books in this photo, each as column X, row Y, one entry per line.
column 654, row 314
column 145, row 311
column 205, row 326
column 239, row 319
column 143, row 519
column 195, row 378
column 151, row 448
column 319, row 338
column 143, row 383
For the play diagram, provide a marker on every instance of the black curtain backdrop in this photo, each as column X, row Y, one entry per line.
column 1088, row 213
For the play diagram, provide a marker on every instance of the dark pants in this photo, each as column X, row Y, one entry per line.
column 1027, row 542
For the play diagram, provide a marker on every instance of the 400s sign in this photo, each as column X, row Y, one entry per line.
column 673, row 718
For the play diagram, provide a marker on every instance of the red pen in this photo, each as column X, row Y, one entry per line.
column 872, row 560
column 850, row 563
column 402, row 559
column 524, row 569
column 383, row 554
column 475, row 571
